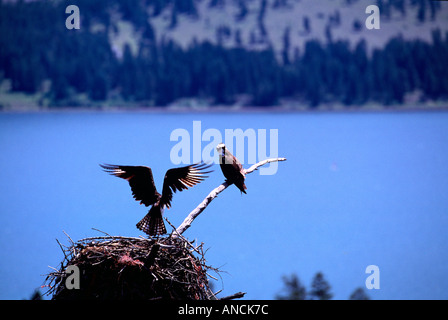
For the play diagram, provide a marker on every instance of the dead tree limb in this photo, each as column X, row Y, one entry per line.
column 212, row 195
column 234, row 296
column 262, row 163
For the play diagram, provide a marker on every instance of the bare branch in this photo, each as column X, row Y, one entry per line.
column 63, row 251
column 262, row 163
column 212, row 195
column 197, row 211
column 234, row 296
column 71, row 241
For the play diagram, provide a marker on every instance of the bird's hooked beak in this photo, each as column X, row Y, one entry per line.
column 221, row 148
column 221, row 151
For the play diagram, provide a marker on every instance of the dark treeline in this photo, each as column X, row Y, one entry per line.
column 38, row 54
column 320, row 289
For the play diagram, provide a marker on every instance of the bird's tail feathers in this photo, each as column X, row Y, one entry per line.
column 239, row 184
column 152, row 224
column 242, row 186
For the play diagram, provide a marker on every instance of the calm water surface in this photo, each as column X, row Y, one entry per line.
column 356, row 190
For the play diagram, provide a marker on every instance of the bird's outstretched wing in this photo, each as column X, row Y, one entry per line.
column 140, row 179
column 178, row 179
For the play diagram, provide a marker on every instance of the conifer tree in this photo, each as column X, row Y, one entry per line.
column 320, row 288
column 294, row 290
column 359, row 294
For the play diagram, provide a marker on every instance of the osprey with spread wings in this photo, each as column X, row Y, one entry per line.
column 143, row 189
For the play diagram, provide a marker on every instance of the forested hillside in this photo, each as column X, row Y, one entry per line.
column 120, row 55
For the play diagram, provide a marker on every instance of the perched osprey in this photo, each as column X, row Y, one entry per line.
column 143, row 189
column 231, row 167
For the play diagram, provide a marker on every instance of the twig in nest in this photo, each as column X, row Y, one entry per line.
column 71, row 241
column 151, row 257
column 212, row 195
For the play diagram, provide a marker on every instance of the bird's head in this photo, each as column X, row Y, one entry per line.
column 221, row 149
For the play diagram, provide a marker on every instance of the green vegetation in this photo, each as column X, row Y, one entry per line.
column 61, row 67
column 320, row 289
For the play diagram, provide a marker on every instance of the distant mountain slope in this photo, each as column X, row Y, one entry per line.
column 255, row 24
column 223, row 52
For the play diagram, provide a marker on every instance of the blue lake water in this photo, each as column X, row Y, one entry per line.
column 357, row 190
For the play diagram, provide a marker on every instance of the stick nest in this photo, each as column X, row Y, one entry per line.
column 133, row 268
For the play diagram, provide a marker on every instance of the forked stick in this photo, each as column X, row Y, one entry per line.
column 212, row 195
